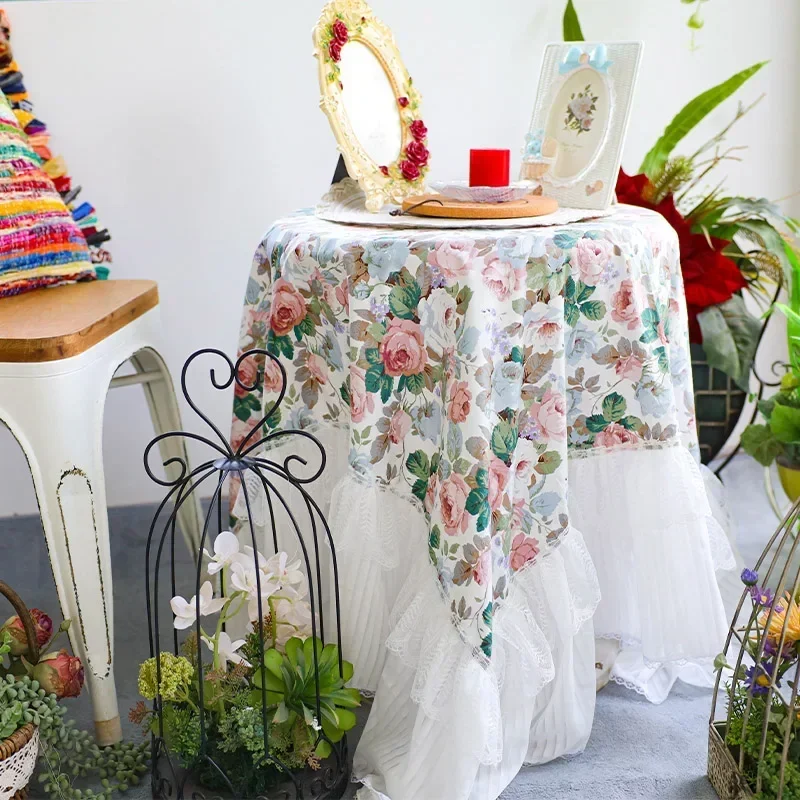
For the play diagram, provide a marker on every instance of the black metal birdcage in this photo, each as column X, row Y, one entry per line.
column 278, row 704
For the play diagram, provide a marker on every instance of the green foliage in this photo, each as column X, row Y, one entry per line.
column 11, row 717
column 779, row 437
column 572, row 27
column 690, row 115
column 730, row 334
column 67, row 755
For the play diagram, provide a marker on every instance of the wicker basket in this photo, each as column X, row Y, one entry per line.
column 723, row 771
column 18, row 753
column 17, row 761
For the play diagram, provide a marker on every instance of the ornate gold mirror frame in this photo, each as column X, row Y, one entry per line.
column 343, row 22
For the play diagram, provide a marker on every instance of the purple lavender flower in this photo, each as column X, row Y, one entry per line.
column 762, row 597
column 438, row 280
column 749, row 577
column 771, row 649
column 380, row 310
column 758, row 678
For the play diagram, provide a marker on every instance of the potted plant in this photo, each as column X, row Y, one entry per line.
column 293, row 687
column 34, row 680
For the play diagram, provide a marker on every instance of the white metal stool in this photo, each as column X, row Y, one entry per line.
column 59, row 350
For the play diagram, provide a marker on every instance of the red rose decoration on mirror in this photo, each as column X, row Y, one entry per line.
column 384, row 170
column 409, row 170
column 335, row 50
column 340, row 32
column 417, row 153
column 418, row 130
column 402, row 102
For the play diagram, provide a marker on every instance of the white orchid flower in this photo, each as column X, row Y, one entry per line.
column 244, row 579
column 186, row 613
column 293, row 619
column 226, row 549
column 289, row 575
column 226, row 649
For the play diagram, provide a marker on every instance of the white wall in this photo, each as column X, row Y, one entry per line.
column 194, row 123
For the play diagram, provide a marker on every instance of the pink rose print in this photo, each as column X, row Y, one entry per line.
column 248, row 375
column 482, row 570
column 317, row 367
column 501, row 277
column 453, row 500
column 288, row 307
column 273, row 380
column 614, row 436
column 399, row 426
column 361, row 401
column 629, row 368
column 430, row 492
column 523, row 550
column 498, row 480
column 592, row 257
column 662, row 334
column 402, row 348
column 625, row 304
column 460, row 399
column 453, row 259
column 343, row 294
column 552, row 415
column 239, row 431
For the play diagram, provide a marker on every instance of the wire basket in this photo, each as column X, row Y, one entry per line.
column 246, row 690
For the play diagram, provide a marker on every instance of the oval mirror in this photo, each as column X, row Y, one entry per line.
column 370, row 103
column 578, row 122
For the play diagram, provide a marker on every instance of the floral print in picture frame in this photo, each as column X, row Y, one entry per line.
column 371, row 103
column 579, row 122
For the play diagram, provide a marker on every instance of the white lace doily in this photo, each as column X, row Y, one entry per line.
column 344, row 203
column 16, row 770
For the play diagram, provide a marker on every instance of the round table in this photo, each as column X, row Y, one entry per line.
column 508, row 416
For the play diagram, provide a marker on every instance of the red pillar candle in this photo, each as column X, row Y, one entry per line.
column 489, row 167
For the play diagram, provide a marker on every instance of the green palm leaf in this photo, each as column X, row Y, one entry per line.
column 692, row 113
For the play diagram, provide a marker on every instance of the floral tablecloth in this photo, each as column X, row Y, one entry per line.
column 458, row 379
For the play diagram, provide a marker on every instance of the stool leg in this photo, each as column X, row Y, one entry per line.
column 60, row 429
column 166, row 417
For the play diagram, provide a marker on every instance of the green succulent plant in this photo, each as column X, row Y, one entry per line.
column 292, row 689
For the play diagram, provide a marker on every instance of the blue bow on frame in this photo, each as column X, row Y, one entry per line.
column 578, row 57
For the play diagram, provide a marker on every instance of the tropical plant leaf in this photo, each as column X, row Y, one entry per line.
column 785, row 424
column 690, row 115
column 761, row 443
column 730, row 334
column 572, row 26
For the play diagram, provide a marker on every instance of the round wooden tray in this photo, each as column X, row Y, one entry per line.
column 436, row 205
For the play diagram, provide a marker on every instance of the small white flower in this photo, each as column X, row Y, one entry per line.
column 186, row 613
column 226, row 548
column 226, row 649
column 315, row 724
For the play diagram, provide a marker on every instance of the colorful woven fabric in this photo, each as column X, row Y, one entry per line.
column 40, row 242
column 12, row 84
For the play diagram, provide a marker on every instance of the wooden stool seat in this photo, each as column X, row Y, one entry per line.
column 53, row 324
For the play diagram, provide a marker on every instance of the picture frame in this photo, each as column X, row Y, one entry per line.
column 371, row 103
column 580, row 119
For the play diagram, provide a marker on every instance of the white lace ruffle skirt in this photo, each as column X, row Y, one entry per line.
column 667, row 572
column 444, row 726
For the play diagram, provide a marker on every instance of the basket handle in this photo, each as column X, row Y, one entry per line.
column 25, row 616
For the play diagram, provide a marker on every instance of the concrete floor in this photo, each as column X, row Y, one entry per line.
column 637, row 750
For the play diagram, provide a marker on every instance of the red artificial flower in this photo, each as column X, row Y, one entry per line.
column 418, row 130
column 417, row 153
column 409, row 169
column 402, row 102
column 709, row 277
column 335, row 50
column 340, row 32
column 60, row 673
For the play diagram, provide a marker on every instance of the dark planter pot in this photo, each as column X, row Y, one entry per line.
column 718, row 404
